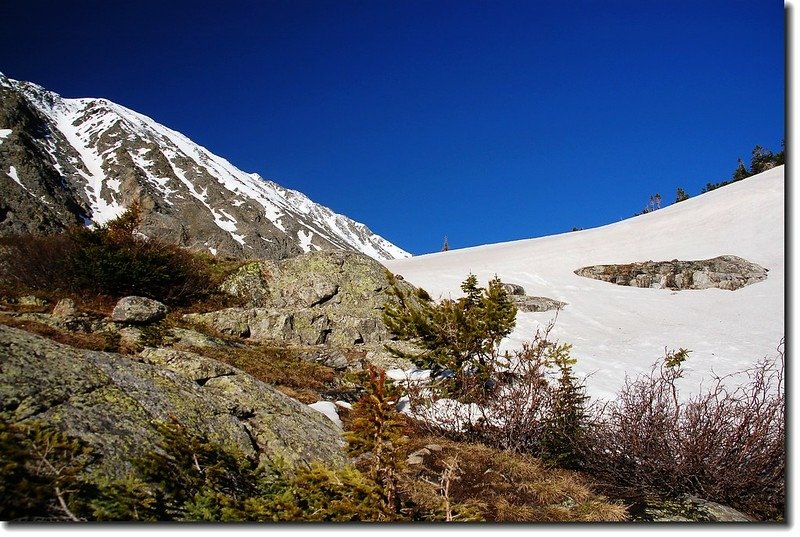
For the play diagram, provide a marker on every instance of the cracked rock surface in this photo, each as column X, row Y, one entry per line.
column 727, row 272
column 329, row 297
column 113, row 402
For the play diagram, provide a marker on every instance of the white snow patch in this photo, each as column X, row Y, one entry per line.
column 4, row 133
column 12, row 172
column 329, row 409
column 409, row 375
column 305, row 239
column 78, row 134
column 114, row 184
column 447, row 413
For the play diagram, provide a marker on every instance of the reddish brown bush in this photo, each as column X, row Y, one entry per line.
column 726, row 444
column 112, row 260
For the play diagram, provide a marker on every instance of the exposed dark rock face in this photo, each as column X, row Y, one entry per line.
column 33, row 196
column 69, row 162
column 513, row 289
column 724, row 272
column 112, row 402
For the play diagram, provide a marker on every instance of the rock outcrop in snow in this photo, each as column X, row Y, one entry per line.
column 724, row 272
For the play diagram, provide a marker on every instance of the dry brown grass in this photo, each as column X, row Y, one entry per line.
column 472, row 481
column 81, row 340
column 279, row 366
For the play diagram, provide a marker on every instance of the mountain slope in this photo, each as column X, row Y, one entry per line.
column 616, row 330
column 70, row 161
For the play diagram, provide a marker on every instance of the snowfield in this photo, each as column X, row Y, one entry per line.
column 617, row 330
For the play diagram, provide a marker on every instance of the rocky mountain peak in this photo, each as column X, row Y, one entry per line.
column 84, row 161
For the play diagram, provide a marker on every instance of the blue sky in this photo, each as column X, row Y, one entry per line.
column 483, row 121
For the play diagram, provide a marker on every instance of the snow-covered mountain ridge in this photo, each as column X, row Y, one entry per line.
column 65, row 161
column 617, row 330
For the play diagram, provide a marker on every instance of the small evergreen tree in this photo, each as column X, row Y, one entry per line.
column 41, row 472
column 681, row 195
column 761, row 160
column 376, row 431
column 566, row 421
column 190, row 478
column 461, row 337
column 318, row 493
column 780, row 158
column 740, row 172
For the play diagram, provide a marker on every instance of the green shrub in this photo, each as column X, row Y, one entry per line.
column 321, row 494
column 459, row 337
column 40, row 473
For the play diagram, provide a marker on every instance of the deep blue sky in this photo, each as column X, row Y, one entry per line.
column 483, row 121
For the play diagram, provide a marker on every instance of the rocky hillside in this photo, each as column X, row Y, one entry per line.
column 145, row 412
column 66, row 162
column 320, row 308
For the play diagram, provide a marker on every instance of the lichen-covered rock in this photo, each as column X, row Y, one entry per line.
column 331, row 297
column 65, row 309
column 328, row 356
column 259, row 324
column 686, row 508
column 187, row 338
column 536, row 303
column 113, row 402
column 30, row 300
column 251, row 283
column 283, row 427
column 724, row 272
column 347, row 279
column 139, row 310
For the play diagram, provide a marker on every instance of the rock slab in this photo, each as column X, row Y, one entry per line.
column 727, row 272
column 331, row 297
column 138, row 310
column 113, row 402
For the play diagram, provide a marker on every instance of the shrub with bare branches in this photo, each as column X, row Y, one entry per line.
column 726, row 444
column 535, row 404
